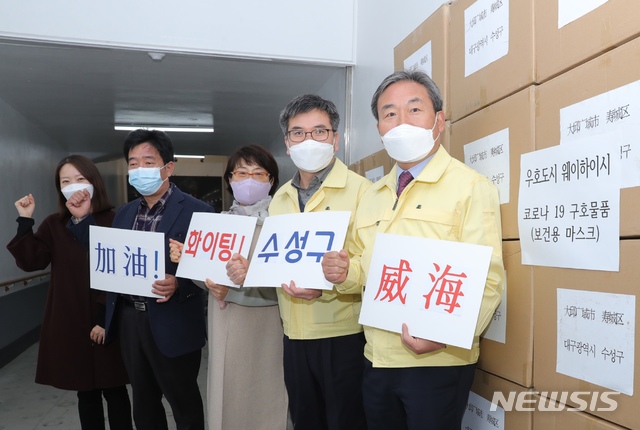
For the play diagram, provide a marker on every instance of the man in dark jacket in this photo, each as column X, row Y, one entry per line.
column 162, row 338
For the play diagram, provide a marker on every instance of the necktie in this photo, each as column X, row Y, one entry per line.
column 403, row 181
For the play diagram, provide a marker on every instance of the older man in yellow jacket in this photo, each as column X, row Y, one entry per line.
column 413, row 383
column 323, row 342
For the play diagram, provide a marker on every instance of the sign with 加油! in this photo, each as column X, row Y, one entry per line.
column 125, row 261
column 434, row 286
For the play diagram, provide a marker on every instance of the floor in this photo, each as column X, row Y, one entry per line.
column 25, row 405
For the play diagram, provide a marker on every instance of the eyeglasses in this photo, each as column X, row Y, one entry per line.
column 318, row 134
column 243, row 174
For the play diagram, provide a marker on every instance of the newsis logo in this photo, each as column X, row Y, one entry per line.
column 555, row 401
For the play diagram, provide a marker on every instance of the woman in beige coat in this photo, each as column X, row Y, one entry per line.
column 245, row 384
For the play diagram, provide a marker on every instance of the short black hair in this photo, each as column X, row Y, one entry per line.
column 416, row 76
column 156, row 138
column 306, row 103
column 253, row 154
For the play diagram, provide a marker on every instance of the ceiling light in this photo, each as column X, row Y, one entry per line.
column 156, row 56
column 165, row 128
column 199, row 157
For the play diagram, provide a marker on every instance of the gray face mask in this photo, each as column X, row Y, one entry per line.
column 71, row 189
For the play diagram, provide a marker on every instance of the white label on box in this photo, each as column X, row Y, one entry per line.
column 490, row 156
column 497, row 329
column 570, row 10
column 422, row 59
column 374, row 174
column 613, row 116
column 486, row 33
column 569, row 206
column 596, row 337
column 478, row 415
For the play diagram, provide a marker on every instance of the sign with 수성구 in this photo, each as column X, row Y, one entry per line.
column 291, row 247
column 125, row 261
column 434, row 286
column 212, row 240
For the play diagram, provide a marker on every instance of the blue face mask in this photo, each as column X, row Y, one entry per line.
column 146, row 180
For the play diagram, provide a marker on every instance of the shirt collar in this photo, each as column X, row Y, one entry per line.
column 415, row 170
column 162, row 200
column 318, row 179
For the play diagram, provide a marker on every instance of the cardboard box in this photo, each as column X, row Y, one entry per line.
column 601, row 75
column 427, row 48
column 485, row 385
column 484, row 68
column 590, row 34
column 513, row 360
column 547, row 280
column 517, row 114
column 357, row 167
column 563, row 419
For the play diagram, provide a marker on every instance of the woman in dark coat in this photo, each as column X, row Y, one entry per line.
column 72, row 354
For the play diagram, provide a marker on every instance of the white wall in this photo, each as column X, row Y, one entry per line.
column 28, row 162
column 381, row 26
column 288, row 29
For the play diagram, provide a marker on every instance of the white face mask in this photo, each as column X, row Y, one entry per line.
column 311, row 155
column 407, row 143
column 71, row 189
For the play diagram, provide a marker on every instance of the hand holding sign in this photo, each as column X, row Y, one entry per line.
column 237, row 268
column 335, row 266
column 301, row 293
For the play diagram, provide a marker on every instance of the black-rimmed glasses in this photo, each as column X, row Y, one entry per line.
column 318, row 134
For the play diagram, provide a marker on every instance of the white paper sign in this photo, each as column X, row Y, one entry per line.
column 569, row 206
column 291, row 247
column 596, row 338
column 613, row 116
column 490, row 156
column 486, row 35
column 478, row 415
column 374, row 174
column 435, row 286
column 125, row 261
column 212, row 240
column 497, row 329
column 422, row 60
column 570, row 10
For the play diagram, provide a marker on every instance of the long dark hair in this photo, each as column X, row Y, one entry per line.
column 100, row 201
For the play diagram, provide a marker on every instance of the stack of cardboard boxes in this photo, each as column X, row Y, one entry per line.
column 507, row 68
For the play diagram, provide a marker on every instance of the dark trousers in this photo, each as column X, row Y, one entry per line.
column 324, row 382
column 91, row 410
column 153, row 375
column 416, row 398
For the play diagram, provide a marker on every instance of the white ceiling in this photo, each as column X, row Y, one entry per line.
column 75, row 94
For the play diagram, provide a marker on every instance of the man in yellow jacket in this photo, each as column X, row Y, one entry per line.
column 323, row 340
column 412, row 383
